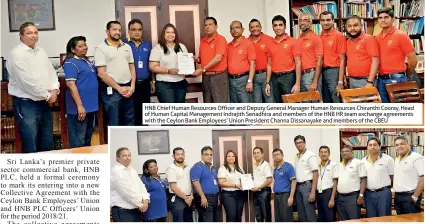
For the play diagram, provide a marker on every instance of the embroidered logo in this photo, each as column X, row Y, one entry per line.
column 240, row 51
column 285, row 46
column 145, row 49
column 390, row 42
column 357, row 47
column 330, row 43
column 263, row 46
column 307, row 45
column 212, row 45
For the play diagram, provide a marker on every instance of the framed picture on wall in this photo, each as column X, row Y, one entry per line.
column 153, row 142
column 40, row 12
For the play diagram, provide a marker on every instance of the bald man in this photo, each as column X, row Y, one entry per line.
column 241, row 64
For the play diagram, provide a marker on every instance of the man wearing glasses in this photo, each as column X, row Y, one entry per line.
column 204, row 179
column 306, row 166
column 351, row 174
column 141, row 52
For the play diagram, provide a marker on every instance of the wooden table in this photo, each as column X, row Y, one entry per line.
column 82, row 150
column 414, row 217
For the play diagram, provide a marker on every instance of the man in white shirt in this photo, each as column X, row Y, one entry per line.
column 129, row 196
column 351, row 175
column 178, row 177
column 380, row 171
column 34, row 85
column 115, row 66
column 263, row 177
column 306, row 166
column 408, row 178
column 326, row 185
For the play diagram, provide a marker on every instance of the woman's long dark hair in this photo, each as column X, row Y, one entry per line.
column 226, row 164
column 145, row 167
column 163, row 42
column 72, row 44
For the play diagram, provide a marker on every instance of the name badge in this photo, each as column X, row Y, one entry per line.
column 109, row 90
column 320, row 188
column 215, row 182
column 173, row 198
column 140, row 64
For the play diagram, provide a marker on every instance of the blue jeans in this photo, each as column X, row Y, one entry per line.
column 378, row 203
column 80, row 132
column 35, row 124
column 171, row 92
column 119, row 111
column 237, row 88
column 259, row 95
column 329, row 84
column 306, row 210
column 394, row 78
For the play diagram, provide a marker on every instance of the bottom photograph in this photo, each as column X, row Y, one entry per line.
column 266, row 174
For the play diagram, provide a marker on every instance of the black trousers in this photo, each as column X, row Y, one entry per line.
column 326, row 214
column 163, row 219
column 141, row 95
column 180, row 210
column 262, row 205
column 210, row 213
column 282, row 212
column 403, row 203
column 125, row 215
column 233, row 202
column 347, row 206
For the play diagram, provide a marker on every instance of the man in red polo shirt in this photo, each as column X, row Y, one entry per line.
column 213, row 64
column 241, row 64
column 311, row 55
column 334, row 47
column 394, row 46
column 284, row 62
column 362, row 54
column 262, row 43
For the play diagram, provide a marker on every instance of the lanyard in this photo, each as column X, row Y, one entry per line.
column 321, row 178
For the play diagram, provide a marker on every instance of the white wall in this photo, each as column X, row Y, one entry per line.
column 226, row 11
column 73, row 17
column 192, row 139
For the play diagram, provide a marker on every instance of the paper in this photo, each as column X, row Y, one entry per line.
column 185, row 63
column 247, row 182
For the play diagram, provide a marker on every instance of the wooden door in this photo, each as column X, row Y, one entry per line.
column 242, row 142
column 186, row 15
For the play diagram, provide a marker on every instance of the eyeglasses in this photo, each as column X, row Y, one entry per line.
column 297, row 143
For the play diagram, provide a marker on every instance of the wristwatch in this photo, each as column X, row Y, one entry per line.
column 249, row 80
column 415, row 199
column 371, row 82
column 340, row 82
column 361, row 195
column 204, row 70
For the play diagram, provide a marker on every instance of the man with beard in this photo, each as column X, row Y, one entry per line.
column 213, row 61
column 241, row 62
column 262, row 43
column 178, row 177
column 284, row 73
column 362, row 53
column 334, row 47
column 394, row 46
column 311, row 55
column 141, row 51
column 115, row 65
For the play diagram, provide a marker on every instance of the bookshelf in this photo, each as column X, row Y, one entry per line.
column 314, row 8
column 10, row 139
column 357, row 138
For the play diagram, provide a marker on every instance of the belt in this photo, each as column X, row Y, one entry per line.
column 260, row 71
column 358, row 78
column 235, row 76
column 308, row 70
column 380, row 189
column 279, row 74
column 124, row 208
column 349, row 194
column 326, row 190
column 388, row 76
column 304, row 182
column 213, row 72
column 279, row 193
column 405, row 193
column 324, row 68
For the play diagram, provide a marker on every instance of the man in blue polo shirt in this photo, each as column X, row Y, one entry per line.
column 204, row 179
column 284, row 187
column 141, row 52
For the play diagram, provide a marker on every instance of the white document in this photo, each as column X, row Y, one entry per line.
column 247, row 182
column 185, row 63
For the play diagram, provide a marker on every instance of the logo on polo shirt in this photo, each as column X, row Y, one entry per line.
column 330, row 43
column 381, row 164
column 285, row 46
column 307, row 45
column 280, row 173
column 357, row 47
column 263, row 46
column 145, row 49
column 351, row 167
column 240, row 51
column 390, row 42
column 212, row 45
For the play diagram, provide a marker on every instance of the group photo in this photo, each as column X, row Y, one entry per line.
column 242, row 174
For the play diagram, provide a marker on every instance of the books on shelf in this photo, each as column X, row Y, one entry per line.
column 412, row 27
column 359, row 140
column 7, row 128
column 317, row 28
column 412, row 8
column 359, row 154
column 362, row 9
column 317, row 8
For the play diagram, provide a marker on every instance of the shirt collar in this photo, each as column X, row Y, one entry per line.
column 355, row 40
column 120, row 43
column 285, row 37
column 327, row 163
column 259, row 164
column 343, row 162
column 122, row 167
column 210, row 166
column 408, row 154
column 212, row 38
column 308, row 35
column 240, row 41
column 298, row 154
column 25, row 47
column 134, row 43
column 259, row 39
column 278, row 167
column 184, row 164
column 333, row 31
column 368, row 158
column 390, row 31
